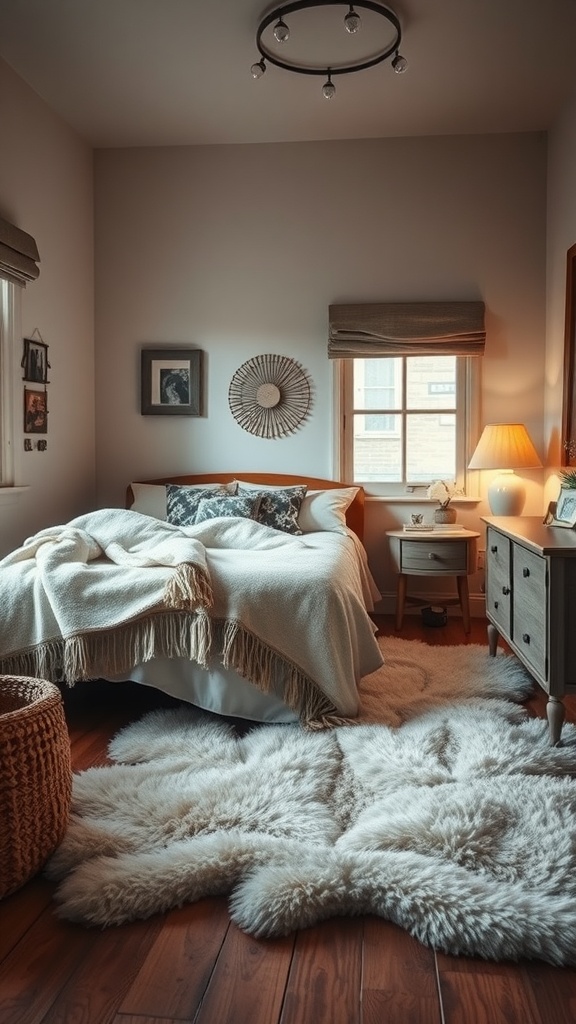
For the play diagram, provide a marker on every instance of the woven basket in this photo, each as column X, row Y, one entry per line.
column 35, row 777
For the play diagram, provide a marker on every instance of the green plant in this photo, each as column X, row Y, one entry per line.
column 568, row 478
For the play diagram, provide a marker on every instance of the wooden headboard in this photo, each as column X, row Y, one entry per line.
column 354, row 513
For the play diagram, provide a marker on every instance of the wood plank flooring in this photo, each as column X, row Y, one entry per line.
column 193, row 965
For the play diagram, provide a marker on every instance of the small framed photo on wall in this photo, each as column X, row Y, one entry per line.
column 171, row 382
column 35, row 411
column 35, row 361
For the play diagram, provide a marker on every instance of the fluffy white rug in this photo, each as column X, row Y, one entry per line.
column 452, row 817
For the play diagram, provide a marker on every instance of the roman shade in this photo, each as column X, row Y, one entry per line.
column 406, row 329
column 18, row 254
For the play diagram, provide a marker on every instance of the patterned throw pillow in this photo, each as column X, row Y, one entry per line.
column 241, row 506
column 279, row 509
column 182, row 502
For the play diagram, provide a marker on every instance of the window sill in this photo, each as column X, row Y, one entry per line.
column 413, row 499
column 9, row 495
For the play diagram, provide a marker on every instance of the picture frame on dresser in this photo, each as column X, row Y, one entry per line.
column 171, row 382
column 563, row 511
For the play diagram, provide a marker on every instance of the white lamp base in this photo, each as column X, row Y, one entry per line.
column 506, row 494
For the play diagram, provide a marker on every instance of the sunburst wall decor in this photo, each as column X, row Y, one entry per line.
column 270, row 395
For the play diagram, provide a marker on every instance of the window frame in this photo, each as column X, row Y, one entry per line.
column 468, row 384
column 9, row 317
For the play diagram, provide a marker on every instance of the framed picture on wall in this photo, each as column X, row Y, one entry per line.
column 35, row 411
column 35, row 361
column 171, row 382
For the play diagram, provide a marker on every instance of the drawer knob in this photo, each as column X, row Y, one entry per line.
column 495, row 604
column 432, row 555
column 505, row 591
column 526, row 638
column 525, row 572
column 494, row 548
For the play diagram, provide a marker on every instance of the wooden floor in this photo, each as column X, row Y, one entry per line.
column 192, row 964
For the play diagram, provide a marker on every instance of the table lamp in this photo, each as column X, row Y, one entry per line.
column 505, row 446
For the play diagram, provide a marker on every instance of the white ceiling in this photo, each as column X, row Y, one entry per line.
column 177, row 72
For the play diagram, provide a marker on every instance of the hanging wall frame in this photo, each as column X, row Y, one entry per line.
column 270, row 396
column 35, row 411
column 35, row 359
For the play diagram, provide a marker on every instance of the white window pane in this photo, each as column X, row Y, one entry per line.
column 430, row 447
column 377, row 383
column 431, row 382
column 377, row 447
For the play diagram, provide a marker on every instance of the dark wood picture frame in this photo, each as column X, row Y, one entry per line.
column 171, row 382
column 35, row 411
column 35, row 361
column 568, row 440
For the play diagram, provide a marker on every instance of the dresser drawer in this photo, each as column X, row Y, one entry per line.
column 529, row 626
column 434, row 557
column 498, row 550
column 498, row 580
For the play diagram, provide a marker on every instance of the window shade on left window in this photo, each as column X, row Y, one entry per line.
column 19, row 255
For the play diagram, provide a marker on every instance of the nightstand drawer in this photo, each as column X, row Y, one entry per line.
column 434, row 556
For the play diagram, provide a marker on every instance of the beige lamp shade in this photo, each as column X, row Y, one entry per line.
column 505, row 446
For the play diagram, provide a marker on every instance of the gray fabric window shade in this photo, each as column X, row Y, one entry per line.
column 406, row 329
column 18, row 254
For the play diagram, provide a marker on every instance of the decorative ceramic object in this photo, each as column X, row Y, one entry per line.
column 444, row 515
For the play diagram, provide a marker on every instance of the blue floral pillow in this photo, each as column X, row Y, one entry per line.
column 240, row 506
column 279, row 509
column 182, row 502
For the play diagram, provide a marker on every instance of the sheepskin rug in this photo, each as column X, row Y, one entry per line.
column 445, row 810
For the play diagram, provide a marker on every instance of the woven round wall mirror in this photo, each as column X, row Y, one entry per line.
column 270, row 395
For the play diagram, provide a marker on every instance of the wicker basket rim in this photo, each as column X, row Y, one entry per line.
column 45, row 694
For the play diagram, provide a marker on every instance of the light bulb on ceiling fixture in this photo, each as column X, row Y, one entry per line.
column 281, row 31
column 328, row 89
column 399, row 63
column 352, row 21
column 258, row 69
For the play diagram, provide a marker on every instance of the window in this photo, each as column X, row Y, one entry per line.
column 9, row 299
column 406, row 420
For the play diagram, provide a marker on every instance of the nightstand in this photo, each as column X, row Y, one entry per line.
column 433, row 553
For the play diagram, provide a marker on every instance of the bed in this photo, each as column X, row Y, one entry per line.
column 245, row 594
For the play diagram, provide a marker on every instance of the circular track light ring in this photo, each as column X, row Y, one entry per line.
column 342, row 69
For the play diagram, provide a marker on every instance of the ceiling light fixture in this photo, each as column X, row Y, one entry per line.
column 313, row 42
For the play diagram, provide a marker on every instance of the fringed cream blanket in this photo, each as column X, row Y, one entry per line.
column 115, row 588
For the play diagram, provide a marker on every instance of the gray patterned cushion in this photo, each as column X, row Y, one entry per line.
column 279, row 509
column 182, row 502
column 243, row 506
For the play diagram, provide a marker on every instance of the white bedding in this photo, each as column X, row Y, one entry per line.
column 287, row 613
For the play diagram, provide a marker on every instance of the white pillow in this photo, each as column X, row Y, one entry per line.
column 326, row 510
column 320, row 510
column 150, row 499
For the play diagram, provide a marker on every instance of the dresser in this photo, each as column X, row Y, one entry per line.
column 433, row 553
column 531, row 603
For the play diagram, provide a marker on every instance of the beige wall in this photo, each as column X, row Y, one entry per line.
column 46, row 188
column 239, row 250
